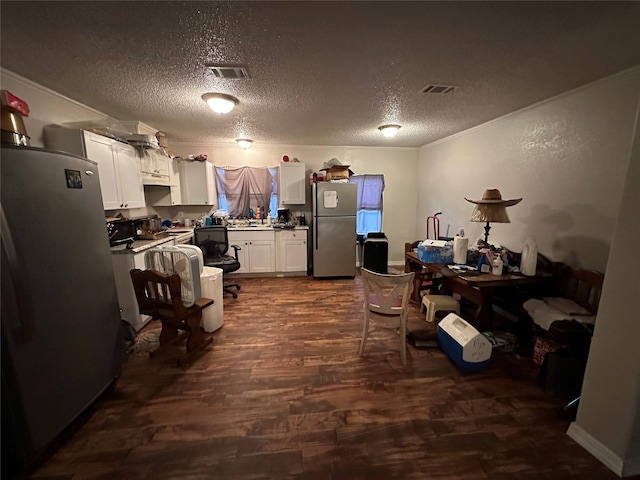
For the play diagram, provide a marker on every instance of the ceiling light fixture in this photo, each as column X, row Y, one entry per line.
column 389, row 131
column 244, row 143
column 220, row 102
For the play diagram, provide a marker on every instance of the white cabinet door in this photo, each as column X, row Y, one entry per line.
column 129, row 177
column 197, row 183
column 261, row 256
column 292, row 183
column 258, row 251
column 291, row 254
column 98, row 149
column 154, row 168
column 123, row 263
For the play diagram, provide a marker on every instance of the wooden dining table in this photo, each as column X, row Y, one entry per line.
column 478, row 288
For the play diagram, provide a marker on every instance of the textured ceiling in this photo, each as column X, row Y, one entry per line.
column 321, row 73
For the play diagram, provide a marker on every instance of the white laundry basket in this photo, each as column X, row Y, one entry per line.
column 210, row 287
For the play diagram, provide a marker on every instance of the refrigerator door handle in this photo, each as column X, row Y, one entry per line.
column 24, row 328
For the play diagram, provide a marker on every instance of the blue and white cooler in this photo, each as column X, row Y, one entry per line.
column 463, row 344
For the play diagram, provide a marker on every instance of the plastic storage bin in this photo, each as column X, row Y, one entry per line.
column 435, row 251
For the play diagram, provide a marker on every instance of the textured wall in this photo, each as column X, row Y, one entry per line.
column 609, row 413
column 566, row 157
column 398, row 165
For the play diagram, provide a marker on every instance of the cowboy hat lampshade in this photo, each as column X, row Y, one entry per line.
column 491, row 208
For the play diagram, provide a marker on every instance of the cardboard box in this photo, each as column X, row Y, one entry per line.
column 338, row 172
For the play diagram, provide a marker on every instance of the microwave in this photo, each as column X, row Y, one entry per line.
column 121, row 231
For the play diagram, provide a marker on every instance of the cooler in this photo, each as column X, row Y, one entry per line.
column 376, row 251
column 463, row 344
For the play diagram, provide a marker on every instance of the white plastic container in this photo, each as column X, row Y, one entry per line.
column 529, row 257
column 211, row 287
column 497, row 266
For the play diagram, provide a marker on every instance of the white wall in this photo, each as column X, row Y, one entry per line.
column 398, row 165
column 608, row 421
column 45, row 106
column 566, row 157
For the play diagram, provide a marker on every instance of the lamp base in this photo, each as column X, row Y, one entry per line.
column 487, row 227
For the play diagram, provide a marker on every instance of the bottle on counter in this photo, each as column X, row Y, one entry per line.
column 497, row 265
column 484, row 266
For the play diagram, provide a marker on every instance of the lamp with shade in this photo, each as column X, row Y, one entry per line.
column 491, row 208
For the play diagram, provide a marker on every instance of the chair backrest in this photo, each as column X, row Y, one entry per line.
column 158, row 294
column 387, row 295
column 213, row 240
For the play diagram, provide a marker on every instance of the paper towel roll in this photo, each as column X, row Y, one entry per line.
column 460, row 247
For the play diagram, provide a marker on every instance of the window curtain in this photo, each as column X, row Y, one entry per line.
column 244, row 188
column 370, row 188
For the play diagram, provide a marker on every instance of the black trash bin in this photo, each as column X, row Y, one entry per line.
column 376, row 252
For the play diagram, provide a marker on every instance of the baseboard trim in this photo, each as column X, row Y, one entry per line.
column 597, row 449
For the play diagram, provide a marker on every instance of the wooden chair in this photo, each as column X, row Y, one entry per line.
column 386, row 302
column 159, row 295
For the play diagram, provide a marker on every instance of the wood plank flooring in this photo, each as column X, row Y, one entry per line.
column 282, row 394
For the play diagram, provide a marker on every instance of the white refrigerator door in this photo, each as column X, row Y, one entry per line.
column 334, row 247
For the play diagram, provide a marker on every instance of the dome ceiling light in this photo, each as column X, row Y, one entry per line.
column 220, row 102
column 389, row 131
column 244, row 143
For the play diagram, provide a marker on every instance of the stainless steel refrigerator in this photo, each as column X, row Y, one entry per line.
column 62, row 342
column 334, row 229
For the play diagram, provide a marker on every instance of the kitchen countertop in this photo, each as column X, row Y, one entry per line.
column 142, row 245
column 248, row 228
column 182, row 233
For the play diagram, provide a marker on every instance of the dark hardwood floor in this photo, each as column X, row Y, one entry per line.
column 282, row 394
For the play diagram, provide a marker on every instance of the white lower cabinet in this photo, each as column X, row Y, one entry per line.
column 258, row 254
column 123, row 263
column 291, row 251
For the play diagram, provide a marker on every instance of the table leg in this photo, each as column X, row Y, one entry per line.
column 484, row 315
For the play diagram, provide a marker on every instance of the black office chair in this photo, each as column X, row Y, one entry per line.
column 214, row 243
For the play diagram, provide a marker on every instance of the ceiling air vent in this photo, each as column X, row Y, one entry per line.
column 229, row 72
column 438, row 89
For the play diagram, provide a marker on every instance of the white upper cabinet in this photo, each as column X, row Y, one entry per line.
column 118, row 164
column 155, row 168
column 129, row 178
column 98, row 149
column 292, row 183
column 163, row 196
column 197, row 183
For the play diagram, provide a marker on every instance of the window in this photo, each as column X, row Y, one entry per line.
column 247, row 187
column 369, row 202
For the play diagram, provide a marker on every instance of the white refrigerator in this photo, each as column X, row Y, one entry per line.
column 334, row 229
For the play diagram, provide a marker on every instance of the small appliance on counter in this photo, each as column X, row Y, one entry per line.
column 120, row 231
column 285, row 219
